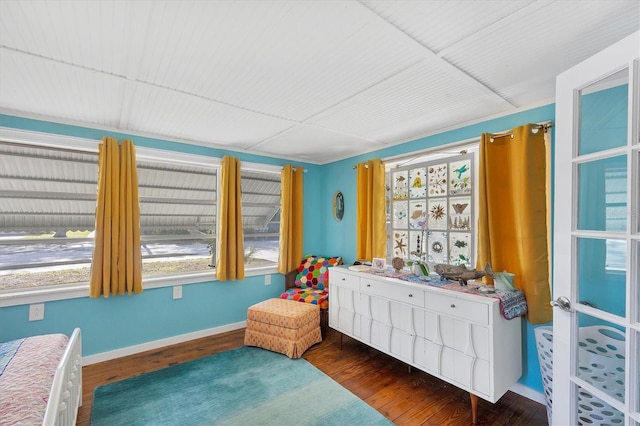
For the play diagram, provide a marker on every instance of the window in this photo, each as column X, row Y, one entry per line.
column 177, row 215
column 47, row 213
column 432, row 207
column 48, row 188
column 261, row 216
column 615, row 214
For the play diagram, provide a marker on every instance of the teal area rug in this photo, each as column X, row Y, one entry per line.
column 244, row 386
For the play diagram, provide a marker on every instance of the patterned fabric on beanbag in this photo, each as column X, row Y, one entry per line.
column 313, row 272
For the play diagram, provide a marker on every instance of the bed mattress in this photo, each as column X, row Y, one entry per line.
column 27, row 368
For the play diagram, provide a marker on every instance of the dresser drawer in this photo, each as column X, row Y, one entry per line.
column 338, row 277
column 476, row 312
column 392, row 291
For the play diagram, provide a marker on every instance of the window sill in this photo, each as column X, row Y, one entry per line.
column 79, row 290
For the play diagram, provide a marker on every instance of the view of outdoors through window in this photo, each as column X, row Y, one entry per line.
column 616, row 207
column 47, row 210
column 261, row 217
column 47, row 216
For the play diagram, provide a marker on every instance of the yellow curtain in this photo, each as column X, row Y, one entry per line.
column 291, row 203
column 512, row 222
column 230, row 236
column 116, row 266
column 371, row 233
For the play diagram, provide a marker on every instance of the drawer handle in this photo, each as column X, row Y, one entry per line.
column 368, row 285
column 453, row 306
column 410, row 295
column 344, row 279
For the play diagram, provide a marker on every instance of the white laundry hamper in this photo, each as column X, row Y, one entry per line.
column 600, row 363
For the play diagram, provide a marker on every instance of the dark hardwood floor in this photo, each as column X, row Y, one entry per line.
column 405, row 397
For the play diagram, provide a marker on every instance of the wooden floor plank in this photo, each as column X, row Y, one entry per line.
column 403, row 396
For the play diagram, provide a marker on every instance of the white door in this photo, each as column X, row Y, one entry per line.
column 596, row 321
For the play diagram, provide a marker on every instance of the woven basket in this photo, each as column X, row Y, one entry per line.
column 600, row 363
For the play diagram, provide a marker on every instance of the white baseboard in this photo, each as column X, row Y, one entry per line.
column 527, row 392
column 131, row 350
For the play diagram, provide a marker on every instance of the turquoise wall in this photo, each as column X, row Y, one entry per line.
column 604, row 127
column 123, row 321
column 606, row 124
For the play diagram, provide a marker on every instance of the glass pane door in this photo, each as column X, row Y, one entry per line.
column 596, row 241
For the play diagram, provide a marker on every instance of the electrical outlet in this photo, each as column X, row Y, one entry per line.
column 36, row 312
column 267, row 280
column 177, row 292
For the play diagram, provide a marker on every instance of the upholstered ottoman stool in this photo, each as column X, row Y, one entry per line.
column 283, row 326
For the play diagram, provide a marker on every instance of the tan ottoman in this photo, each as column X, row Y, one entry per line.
column 283, row 326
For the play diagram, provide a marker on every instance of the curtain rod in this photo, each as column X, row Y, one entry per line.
column 534, row 129
column 543, row 125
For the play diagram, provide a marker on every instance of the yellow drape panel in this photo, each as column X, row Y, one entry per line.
column 230, row 235
column 512, row 223
column 547, row 144
column 371, row 233
column 291, row 219
column 116, row 266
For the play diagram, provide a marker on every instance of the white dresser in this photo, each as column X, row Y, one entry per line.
column 459, row 337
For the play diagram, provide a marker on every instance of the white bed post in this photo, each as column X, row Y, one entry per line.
column 66, row 391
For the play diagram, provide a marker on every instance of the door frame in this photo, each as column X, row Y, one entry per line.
column 621, row 55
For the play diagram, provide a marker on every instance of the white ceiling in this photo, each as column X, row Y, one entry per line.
column 311, row 81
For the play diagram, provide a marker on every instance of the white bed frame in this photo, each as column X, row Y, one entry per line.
column 66, row 391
